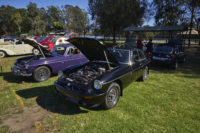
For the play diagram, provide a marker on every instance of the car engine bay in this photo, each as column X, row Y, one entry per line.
column 31, row 59
column 87, row 73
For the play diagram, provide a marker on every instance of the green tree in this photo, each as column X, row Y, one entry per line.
column 6, row 24
column 16, row 19
column 38, row 26
column 113, row 16
column 76, row 19
column 192, row 15
column 26, row 22
column 168, row 12
column 54, row 16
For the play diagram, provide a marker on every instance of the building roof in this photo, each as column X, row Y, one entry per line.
column 156, row 28
column 193, row 32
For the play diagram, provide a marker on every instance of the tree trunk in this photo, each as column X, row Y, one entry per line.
column 191, row 25
column 199, row 37
column 114, row 34
column 199, row 40
column 84, row 32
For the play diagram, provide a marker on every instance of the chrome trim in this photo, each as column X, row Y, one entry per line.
column 61, row 61
column 17, row 72
column 116, row 78
column 25, row 74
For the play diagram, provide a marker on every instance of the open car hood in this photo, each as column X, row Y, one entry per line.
column 36, row 45
column 93, row 49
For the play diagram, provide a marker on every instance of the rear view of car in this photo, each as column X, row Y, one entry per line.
column 167, row 54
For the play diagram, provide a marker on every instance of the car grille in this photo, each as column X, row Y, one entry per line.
column 71, row 86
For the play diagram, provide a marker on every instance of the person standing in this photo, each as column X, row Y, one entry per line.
column 149, row 46
column 139, row 44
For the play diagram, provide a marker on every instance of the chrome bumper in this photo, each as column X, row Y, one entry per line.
column 19, row 72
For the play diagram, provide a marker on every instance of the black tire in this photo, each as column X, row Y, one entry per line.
column 112, row 96
column 145, row 74
column 35, row 51
column 41, row 73
column 2, row 54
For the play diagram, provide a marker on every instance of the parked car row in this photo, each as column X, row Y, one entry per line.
column 169, row 54
column 95, row 76
column 51, row 41
column 18, row 47
column 89, row 73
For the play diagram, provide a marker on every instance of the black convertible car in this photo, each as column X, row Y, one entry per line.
column 101, row 81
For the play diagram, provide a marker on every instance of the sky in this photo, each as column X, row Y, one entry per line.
column 45, row 3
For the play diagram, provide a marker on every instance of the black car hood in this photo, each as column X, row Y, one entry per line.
column 36, row 45
column 93, row 49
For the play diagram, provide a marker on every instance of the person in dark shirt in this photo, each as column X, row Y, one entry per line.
column 139, row 44
column 149, row 46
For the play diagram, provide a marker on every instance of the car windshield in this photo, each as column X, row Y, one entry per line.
column 59, row 50
column 165, row 49
column 121, row 55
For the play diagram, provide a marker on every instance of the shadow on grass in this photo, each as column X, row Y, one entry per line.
column 10, row 77
column 49, row 100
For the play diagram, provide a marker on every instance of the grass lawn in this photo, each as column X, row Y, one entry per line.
column 168, row 101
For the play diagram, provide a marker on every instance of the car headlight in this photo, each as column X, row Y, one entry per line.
column 97, row 84
column 60, row 74
column 26, row 66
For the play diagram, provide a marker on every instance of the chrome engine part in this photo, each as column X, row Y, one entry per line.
column 87, row 73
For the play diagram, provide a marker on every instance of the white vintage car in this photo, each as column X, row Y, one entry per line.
column 61, row 40
column 16, row 48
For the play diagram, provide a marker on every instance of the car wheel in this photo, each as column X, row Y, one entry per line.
column 2, row 54
column 41, row 73
column 35, row 51
column 112, row 96
column 145, row 74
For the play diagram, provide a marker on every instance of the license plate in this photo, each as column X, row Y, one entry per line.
column 159, row 58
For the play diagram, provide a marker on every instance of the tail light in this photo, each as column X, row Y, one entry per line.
column 172, row 57
column 148, row 54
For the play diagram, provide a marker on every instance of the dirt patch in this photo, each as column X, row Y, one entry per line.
column 25, row 122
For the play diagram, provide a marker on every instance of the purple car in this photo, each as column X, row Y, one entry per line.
column 42, row 66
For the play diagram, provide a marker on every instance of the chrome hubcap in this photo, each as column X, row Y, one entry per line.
column 112, row 96
column 43, row 74
column 36, row 52
column 145, row 73
column 2, row 54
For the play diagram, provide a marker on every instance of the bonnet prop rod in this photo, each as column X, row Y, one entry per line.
column 107, row 60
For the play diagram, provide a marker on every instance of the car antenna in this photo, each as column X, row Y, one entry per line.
column 107, row 60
